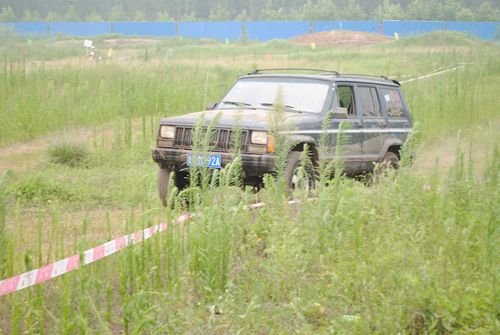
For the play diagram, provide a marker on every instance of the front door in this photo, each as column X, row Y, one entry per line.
column 345, row 135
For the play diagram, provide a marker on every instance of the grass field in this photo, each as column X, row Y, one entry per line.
column 416, row 253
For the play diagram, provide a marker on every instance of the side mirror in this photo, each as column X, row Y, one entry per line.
column 211, row 106
column 339, row 113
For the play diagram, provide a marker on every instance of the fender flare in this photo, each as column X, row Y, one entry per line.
column 299, row 140
column 392, row 142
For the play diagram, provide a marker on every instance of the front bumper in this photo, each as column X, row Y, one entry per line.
column 253, row 164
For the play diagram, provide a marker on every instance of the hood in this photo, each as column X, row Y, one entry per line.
column 245, row 118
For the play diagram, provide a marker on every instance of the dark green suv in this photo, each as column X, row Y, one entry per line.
column 372, row 111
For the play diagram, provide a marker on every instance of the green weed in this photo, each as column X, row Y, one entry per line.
column 70, row 154
column 37, row 189
column 409, row 254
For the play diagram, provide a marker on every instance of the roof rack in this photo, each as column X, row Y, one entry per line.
column 325, row 72
column 365, row 75
column 373, row 76
column 258, row 71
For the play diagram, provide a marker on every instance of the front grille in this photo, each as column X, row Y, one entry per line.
column 222, row 139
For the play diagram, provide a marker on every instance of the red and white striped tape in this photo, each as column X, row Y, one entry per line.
column 71, row 263
column 56, row 269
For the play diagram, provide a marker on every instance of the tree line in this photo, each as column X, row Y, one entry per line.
column 239, row 10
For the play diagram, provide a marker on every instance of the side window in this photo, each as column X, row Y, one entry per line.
column 368, row 101
column 393, row 103
column 346, row 99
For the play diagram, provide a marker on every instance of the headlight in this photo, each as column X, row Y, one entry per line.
column 259, row 137
column 167, row 132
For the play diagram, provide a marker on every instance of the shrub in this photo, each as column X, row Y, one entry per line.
column 67, row 153
column 38, row 190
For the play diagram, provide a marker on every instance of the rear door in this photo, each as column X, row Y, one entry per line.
column 395, row 109
column 374, row 123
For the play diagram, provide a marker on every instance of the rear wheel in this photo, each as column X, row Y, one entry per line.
column 389, row 162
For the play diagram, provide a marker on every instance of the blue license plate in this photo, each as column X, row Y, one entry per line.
column 211, row 161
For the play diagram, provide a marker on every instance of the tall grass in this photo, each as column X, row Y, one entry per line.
column 37, row 101
column 457, row 99
column 409, row 254
column 402, row 256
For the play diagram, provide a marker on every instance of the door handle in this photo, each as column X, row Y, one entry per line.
column 356, row 125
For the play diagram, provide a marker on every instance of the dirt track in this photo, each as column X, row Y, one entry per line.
column 475, row 142
column 341, row 38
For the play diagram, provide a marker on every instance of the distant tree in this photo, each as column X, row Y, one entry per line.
column 487, row 12
column 27, row 16
column 465, row 14
column 93, row 17
column 419, row 10
column 117, row 13
column 268, row 12
column 243, row 16
column 192, row 10
column 35, row 15
column 352, row 11
column 329, row 10
column 164, row 16
column 189, row 17
column 273, row 11
column 321, row 10
column 140, row 16
column 254, row 8
column 306, row 12
column 52, row 16
column 72, row 14
column 7, row 14
column 448, row 10
column 389, row 11
column 219, row 13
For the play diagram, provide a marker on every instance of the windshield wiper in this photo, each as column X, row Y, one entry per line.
column 237, row 103
column 288, row 107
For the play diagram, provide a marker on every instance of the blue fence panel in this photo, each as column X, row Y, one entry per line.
column 31, row 27
column 267, row 30
column 80, row 28
column 484, row 30
column 406, row 28
column 256, row 30
column 230, row 30
column 365, row 26
column 144, row 28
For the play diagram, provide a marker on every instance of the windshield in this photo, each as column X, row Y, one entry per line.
column 300, row 94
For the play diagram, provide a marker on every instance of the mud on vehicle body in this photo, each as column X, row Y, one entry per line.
column 372, row 111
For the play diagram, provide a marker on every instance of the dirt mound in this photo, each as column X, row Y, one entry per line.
column 340, row 38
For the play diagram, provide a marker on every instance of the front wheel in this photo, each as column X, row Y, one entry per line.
column 163, row 180
column 299, row 176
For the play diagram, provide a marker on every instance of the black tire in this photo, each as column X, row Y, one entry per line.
column 292, row 178
column 391, row 160
column 163, row 180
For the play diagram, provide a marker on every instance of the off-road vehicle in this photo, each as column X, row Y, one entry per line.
column 371, row 109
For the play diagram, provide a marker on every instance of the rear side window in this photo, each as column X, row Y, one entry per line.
column 393, row 103
column 346, row 99
column 368, row 101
